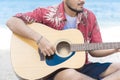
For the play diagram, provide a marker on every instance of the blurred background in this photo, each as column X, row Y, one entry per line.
column 106, row 11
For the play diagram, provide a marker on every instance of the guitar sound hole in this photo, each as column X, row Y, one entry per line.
column 63, row 49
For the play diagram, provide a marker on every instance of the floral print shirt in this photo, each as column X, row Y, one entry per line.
column 54, row 17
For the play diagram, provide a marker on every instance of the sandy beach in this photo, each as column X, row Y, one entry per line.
column 109, row 35
column 6, row 67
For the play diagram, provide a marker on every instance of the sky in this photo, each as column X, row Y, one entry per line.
column 110, row 14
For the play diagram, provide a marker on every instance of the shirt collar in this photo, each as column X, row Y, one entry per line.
column 81, row 17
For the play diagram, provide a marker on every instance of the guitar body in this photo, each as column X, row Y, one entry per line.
column 26, row 57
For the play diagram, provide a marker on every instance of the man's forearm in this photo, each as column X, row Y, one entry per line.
column 102, row 53
column 18, row 26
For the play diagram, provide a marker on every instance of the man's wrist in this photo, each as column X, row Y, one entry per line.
column 39, row 39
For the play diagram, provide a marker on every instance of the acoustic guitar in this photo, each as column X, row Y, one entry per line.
column 29, row 63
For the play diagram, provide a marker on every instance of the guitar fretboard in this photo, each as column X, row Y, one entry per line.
column 94, row 46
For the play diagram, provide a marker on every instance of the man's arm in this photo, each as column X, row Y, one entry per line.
column 102, row 53
column 18, row 26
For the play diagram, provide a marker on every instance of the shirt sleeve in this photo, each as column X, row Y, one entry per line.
column 96, row 34
column 30, row 17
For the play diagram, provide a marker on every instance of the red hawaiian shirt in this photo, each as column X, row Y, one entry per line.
column 54, row 17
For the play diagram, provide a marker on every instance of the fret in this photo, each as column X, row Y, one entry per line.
column 95, row 46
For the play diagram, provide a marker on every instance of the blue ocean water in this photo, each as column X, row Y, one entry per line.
column 106, row 11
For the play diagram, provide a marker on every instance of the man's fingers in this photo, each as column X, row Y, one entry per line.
column 48, row 52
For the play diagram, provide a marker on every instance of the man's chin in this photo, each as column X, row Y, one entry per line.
column 79, row 11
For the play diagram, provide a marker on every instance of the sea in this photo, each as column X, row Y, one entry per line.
column 106, row 11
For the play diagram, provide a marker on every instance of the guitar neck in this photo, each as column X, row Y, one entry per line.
column 94, row 46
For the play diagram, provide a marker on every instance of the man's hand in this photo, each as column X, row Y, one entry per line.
column 46, row 47
column 117, row 50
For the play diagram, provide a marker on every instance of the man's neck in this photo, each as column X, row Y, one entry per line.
column 69, row 12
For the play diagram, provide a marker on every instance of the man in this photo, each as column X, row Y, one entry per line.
column 69, row 14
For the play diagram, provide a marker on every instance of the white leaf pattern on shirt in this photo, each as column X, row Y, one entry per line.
column 54, row 16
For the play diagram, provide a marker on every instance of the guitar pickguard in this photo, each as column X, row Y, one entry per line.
column 56, row 60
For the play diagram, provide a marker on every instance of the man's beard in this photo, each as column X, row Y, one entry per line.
column 77, row 11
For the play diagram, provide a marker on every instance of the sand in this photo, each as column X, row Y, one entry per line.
column 6, row 70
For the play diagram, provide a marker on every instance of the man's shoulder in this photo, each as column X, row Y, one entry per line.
column 48, row 8
column 89, row 11
column 89, row 14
